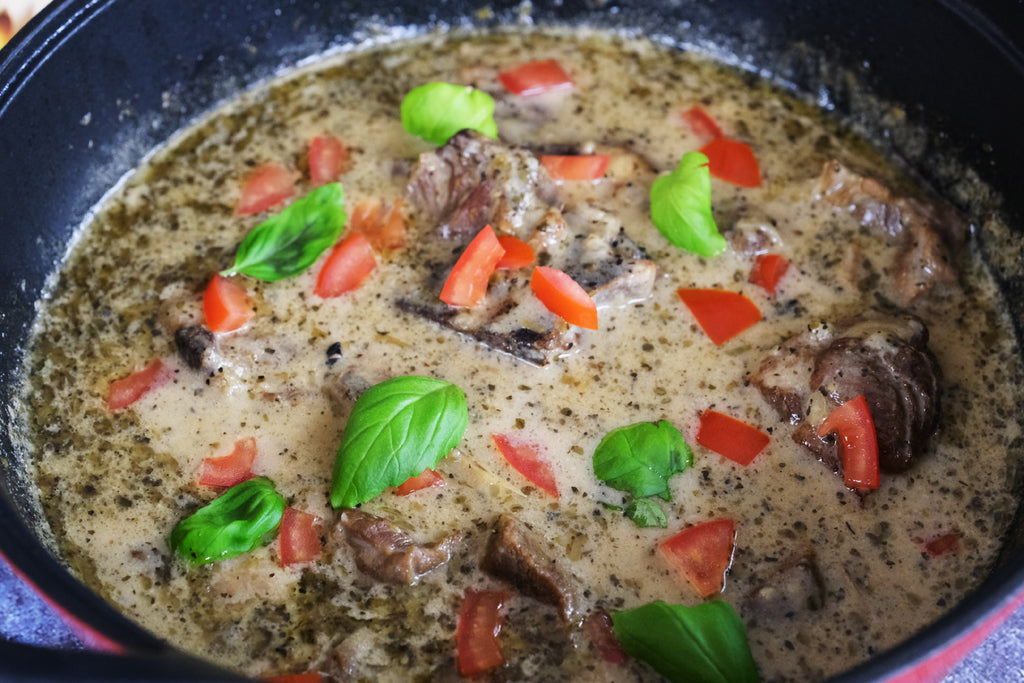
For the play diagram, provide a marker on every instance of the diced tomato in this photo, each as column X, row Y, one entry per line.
column 768, row 270
column 535, row 78
column 941, row 545
column 347, row 267
column 226, row 305
column 476, row 637
column 720, row 313
column 526, row 458
column 265, row 187
column 230, row 469
column 701, row 123
column 427, row 479
column 467, row 283
column 732, row 161
column 858, row 443
column 564, row 297
column 127, row 390
column 384, row 226
column 732, row 438
column 598, row 625
column 327, row 157
column 702, row 553
column 299, row 537
column 518, row 254
column 312, row 677
column 575, row 167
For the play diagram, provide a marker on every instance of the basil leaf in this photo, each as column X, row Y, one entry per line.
column 706, row 643
column 397, row 429
column 681, row 207
column 242, row 518
column 640, row 458
column 437, row 111
column 646, row 513
column 287, row 243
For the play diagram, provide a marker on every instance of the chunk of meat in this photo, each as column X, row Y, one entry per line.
column 883, row 357
column 388, row 553
column 927, row 235
column 193, row 342
column 794, row 586
column 473, row 180
column 513, row 555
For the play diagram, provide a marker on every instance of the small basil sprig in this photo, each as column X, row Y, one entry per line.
column 639, row 459
column 242, row 518
column 397, row 429
column 287, row 243
column 646, row 513
column 705, row 643
column 681, row 207
column 437, row 111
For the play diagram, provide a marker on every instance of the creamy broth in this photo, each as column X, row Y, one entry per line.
column 114, row 484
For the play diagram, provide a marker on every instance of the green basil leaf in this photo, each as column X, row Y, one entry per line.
column 242, row 518
column 287, row 243
column 646, row 513
column 640, row 458
column 702, row 644
column 397, row 429
column 437, row 111
column 681, row 207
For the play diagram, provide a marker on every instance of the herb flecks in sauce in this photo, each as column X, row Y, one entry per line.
column 648, row 362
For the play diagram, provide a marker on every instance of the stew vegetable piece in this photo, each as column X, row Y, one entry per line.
column 542, row 357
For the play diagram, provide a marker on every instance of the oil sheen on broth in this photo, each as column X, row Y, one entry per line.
column 855, row 569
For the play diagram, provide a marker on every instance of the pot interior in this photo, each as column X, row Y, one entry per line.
column 93, row 87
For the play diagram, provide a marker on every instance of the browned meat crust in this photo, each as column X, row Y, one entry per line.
column 927, row 235
column 193, row 342
column 884, row 358
column 513, row 555
column 473, row 181
column 389, row 554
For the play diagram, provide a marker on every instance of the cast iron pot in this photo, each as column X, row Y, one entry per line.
column 91, row 86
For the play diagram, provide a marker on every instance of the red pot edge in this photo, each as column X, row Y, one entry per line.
column 90, row 637
column 940, row 664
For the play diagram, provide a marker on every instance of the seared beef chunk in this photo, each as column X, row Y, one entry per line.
column 884, row 358
column 473, row 181
column 389, row 554
column 927, row 235
column 515, row 556
column 192, row 343
column 794, row 586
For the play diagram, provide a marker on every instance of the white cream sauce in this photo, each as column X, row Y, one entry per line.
column 113, row 486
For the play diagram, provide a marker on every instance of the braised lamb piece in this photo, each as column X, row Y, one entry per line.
column 388, row 553
column 515, row 556
column 474, row 181
column 884, row 358
column 927, row 235
column 193, row 342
